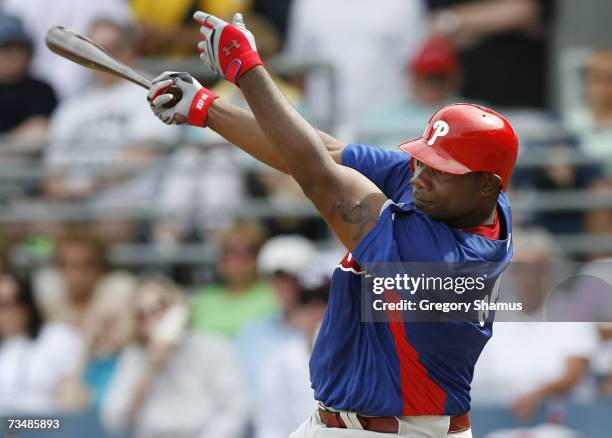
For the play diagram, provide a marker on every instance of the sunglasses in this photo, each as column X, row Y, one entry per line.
column 240, row 251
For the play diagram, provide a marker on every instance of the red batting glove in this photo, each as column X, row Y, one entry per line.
column 228, row 49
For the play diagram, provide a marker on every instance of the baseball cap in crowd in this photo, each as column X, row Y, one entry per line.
column 13, row 31
column 289, row 254
column 436, row 56
column 314, row 284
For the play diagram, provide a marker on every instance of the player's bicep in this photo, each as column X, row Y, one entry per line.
column 350, row 204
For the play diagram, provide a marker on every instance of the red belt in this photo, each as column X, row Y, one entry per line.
column 458, row 423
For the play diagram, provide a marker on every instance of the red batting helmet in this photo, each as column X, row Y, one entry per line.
column 463, row 138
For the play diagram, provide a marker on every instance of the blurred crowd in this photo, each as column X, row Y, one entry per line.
column 102, row 310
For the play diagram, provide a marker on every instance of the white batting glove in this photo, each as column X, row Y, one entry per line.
column 193, row 106
column 228, row 49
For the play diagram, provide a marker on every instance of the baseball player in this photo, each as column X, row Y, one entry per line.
column 440, row 200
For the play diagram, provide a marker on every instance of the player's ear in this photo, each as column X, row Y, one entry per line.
column 489, row 185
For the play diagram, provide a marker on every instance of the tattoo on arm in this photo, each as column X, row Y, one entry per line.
column 359, row 214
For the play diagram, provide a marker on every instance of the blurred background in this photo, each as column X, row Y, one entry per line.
column 156, row 281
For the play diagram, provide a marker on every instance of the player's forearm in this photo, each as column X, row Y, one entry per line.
column 239, row 127
column 298, row 144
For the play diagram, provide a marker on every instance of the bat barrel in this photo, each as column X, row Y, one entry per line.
column 84, row 51
column 87, row 53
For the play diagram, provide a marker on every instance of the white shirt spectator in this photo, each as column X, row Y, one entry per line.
column 111, row 117
column 39, row 15
column 94, row 132
column 201, row 392
column 31, row 370
column 368, row 44
column 522, row 356
column 602, row 361
column 285, row 397
column 210, row 180
column 594, row 140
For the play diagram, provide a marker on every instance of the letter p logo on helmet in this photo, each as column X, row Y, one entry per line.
column 441, row 129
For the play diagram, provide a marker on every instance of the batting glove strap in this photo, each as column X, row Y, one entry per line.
column 198, row 111
column 239, row 66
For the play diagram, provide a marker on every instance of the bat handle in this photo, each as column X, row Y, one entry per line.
column 177, row 95
column 176, row 92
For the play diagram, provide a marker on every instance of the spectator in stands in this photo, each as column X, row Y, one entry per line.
column 103, row 141
column 241, row 297
column 27, row 103
column 283, row 375
column 108, row 328
column 592, row 291
column 504, row 47
column 603, row 360
column 436, row 81
column 34, row 356
column 559, row 173
column 593, row 122
column 281, row 260
column 198, row 179
column 5, row 249
column 283, row 192
column 599, row 220
column 173, row 382
column 367, row 52
column 66, row 292
column 167, row 27
column 277, row 12
column 66, row 78
column 529, row 362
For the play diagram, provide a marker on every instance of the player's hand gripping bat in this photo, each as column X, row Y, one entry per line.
column 84, row 51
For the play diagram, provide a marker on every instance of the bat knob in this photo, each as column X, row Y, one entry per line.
column 177, row 94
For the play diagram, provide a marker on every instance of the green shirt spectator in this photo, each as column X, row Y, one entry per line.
column 217, row 309
column 241, row 296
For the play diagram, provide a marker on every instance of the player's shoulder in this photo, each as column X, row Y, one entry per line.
column 404, row 233
column 479, row 248
column 373, row 152
column 434, row 240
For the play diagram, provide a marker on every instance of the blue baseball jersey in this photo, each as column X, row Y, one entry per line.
column 405, row 368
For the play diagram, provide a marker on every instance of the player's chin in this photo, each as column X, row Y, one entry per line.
column 426, row 207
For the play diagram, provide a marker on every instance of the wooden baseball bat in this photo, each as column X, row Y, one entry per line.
column 87, row 53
